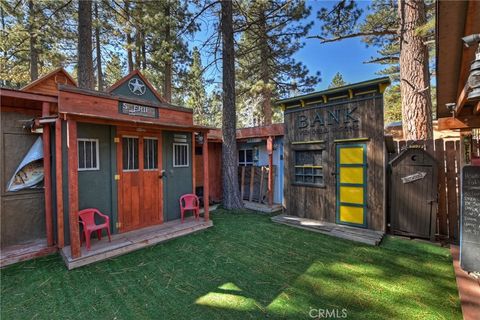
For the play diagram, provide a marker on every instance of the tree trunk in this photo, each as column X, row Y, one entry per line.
column 265, row 71
column 129, row 37
column 33, row 41
column 414, row 72
column 167, row 81
column 98, row 50
column 231, row 193
column 85, row 57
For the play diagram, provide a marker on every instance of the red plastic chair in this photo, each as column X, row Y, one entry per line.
column 189, row 202
column 87, row 219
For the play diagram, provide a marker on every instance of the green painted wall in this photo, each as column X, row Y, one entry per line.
column 178, row 181
column 123, row 90
column 96, row 188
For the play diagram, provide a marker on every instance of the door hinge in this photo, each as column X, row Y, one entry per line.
column 118, row 225
column 116, row 139
column 117, row 177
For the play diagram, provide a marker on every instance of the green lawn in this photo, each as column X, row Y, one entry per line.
column 245, row 267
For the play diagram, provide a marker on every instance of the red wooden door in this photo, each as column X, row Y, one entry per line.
column 140, row 186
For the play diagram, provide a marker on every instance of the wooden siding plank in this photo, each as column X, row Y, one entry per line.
column 73, row 188
column 206, row 187
column 452, row 196
column 442, row 189
column 59, row 183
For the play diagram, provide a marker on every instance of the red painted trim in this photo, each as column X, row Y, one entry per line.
column 47, row 176
column 11, row 93
column 194, row 183
column 206, row 189
column 73, row 188
column 270, row 170
column 59, row 183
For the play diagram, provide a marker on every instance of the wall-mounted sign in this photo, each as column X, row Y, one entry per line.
column 324, row 120
column 414, row 177
column 137, row 110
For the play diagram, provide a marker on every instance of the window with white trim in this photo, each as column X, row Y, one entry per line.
column 88, row 154
column 180, row 155
column 245, row 157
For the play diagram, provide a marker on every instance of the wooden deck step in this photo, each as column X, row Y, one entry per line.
column 25, row 251
column 366, row 236
column 133, row 240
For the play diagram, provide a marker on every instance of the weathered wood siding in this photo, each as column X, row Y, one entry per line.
column 22, row 213
column 320, row 202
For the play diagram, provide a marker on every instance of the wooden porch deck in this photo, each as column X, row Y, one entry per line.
column 366, row 236
column 133, row 240
column 25, row 251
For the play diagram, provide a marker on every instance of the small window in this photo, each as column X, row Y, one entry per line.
column 150, row 153
column 180, row 155
column 88, row 155
column 245, row 157
column 309, row 168
column 130, row 153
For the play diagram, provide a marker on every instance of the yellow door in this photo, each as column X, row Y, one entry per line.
column 351, row 184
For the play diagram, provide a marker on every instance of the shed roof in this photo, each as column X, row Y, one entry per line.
column 48, row 84
column 369, row 86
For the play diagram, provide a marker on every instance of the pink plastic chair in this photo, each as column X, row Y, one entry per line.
column 87, row 219
column 189, row 202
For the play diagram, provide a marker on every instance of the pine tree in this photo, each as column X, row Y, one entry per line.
column 401, row 31
column 85, row 58
column 231, row 192
column 114, row 70
column 196, row 93
column 337, row 81
column 272, row 33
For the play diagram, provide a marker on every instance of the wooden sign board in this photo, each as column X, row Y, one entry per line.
column 470, row 219
column 137, row 110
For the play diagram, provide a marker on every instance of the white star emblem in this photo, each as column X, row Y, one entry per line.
column 136, row 86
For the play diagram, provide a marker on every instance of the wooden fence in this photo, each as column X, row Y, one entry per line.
column 253, row 182
column 447, row 154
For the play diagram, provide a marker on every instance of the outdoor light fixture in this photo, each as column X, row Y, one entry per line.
column 451, row 107
column 474, row 77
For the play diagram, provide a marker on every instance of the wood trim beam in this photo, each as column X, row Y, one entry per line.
column 270, row 170
column 73, row 188
column 27, row 96
column 461, row 122
column 476, row 108
column 206, row 178
column 194, row 170
column 462, row 99
column 47, row 175
column 59, row 182
column 471, row 20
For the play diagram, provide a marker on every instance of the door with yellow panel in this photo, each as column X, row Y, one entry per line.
column 351, row 184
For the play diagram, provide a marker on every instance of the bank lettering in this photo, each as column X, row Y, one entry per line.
column 324, row 121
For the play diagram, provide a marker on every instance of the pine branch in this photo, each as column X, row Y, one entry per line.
column 354, row 35
column 392, row 59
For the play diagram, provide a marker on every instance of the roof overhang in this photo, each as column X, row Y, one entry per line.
column 455, row 19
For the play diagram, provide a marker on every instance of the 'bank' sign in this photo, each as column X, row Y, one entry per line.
column 137, row 110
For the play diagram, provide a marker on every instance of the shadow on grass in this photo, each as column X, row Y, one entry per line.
column 244, row 267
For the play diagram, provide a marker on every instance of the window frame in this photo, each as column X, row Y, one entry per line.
column 97, row 152
column 123, row 164
column 186, row 145
column 312, row 167
column 245, row 163
column 156, row 164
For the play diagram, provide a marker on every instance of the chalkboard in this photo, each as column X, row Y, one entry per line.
column 470, row 219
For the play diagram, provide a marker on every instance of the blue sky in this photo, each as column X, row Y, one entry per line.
column 346, row 57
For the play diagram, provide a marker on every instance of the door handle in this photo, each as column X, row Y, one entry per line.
column 162, row 174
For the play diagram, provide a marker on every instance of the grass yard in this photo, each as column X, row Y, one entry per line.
column 245, row 267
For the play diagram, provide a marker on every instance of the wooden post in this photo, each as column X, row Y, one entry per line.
column 47, row 175
column 59, row 180
column 73, row 188
column 194, row 183
column 270, row 170
column 206, row 177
